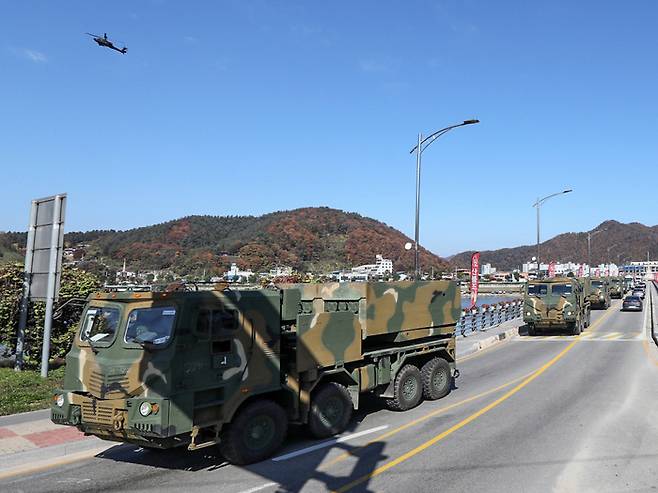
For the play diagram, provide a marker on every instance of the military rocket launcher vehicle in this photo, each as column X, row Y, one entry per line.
column 235, row 367
column 556, row 303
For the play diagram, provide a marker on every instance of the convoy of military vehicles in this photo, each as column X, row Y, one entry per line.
column 236, row 367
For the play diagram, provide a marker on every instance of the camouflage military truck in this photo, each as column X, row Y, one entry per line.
column 617, row 287
column 555, row 303
column 235, row 368
column 597, row 292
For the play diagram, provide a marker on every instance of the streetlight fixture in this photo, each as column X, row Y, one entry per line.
column 591, row 234
column 538, row 205
column 424, row 143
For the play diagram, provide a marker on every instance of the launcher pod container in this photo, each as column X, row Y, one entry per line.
column 597, row 291
column 556, row 304
column 235, row 368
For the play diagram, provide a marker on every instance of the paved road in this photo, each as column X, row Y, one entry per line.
column 530, row 415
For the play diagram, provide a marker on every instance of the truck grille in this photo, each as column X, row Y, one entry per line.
column 98, row 385
column 97, row 412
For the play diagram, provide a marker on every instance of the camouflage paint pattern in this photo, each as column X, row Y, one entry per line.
column 554, row 310
column 616, row 287
column 598, row 292
column 270, row 342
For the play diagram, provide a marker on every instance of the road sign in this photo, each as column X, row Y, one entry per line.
column 43, row 266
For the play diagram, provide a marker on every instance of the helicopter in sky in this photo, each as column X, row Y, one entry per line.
column 103, row 41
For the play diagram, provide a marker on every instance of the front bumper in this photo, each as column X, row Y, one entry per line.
column 114, row 419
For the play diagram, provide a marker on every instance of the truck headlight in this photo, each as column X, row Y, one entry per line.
column 145, row 408
column 528, row 313
column 59, row 400
column 569, row 313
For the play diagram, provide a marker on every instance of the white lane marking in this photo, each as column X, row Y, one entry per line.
column 612, row 335
column 261, row 487
column 328, row 443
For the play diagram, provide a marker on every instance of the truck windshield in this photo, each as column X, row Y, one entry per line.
column 597, row 284
column 99, row 324
column 153, row 325
column 561, row 289
column 537, row 289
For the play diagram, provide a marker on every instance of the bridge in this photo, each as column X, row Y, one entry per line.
column 550, row 413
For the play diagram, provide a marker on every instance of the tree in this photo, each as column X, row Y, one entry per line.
column 75, row 283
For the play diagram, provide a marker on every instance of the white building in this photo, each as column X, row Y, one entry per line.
column 236, row 275
column 487, row 270
column 641, row 271
column 381, row 267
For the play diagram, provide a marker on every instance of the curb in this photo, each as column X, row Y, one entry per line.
column 491, row 341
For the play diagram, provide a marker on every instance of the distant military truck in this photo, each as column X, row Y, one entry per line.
column 557, row 303
column 616, row 287
column 597, row 292
column 236, row 367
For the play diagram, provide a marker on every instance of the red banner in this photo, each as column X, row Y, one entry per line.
column 597, row 272
column 581, row 270
column 475, row 277
column 551, row 269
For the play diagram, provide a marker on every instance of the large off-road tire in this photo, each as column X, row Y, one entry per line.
column 331, row 410
column 574, row 328
column 407, row 389
column 437, row 379
column 255, row 433
column 532, row 331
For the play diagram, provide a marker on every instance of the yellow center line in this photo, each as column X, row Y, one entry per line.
column 452, row 429
column 404, row 457
column 397, row 430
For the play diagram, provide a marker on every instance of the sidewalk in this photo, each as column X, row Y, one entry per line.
column 33, row 430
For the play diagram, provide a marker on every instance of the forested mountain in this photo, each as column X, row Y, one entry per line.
column 310, row 239
column 616, row 243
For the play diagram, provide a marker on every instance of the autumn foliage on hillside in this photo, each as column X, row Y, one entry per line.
column 310, row 239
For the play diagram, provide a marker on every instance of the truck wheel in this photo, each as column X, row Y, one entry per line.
column 407, row 389
column 574, row 328
column 531, row 330
column 255, row 433
column 437, row 379
column 331, row 410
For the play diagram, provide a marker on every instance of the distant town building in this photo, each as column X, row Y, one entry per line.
column 641, row 271
column 381, row 267
column 234, row 274
column 487, row 270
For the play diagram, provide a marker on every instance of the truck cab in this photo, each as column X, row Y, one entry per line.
column 598, row 292
column 555, row 303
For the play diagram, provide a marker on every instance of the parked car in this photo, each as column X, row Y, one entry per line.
column 632, row 303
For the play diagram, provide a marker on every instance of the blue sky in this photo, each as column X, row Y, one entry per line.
column 246, row 107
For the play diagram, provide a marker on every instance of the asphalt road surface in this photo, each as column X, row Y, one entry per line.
column 534, row 414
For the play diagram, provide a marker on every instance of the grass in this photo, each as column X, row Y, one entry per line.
column 26, row 390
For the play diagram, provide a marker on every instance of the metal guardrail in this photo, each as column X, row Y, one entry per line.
column 484, row 317
column 652, row 320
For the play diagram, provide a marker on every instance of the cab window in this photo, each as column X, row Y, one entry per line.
column 152, row 325
column 99, row 324
column 561, row 289
column 537, row 289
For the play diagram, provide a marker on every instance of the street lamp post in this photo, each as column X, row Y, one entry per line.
column 591, row 234
column 424, row 143
column 538, row 205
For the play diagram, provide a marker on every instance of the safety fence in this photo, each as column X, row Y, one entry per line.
column 484, row 317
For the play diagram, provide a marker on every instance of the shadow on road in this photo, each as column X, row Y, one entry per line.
column 289, row 475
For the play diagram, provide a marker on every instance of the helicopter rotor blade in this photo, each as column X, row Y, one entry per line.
column 93, row 35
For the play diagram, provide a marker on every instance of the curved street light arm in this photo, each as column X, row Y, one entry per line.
column 431, row 138
column 541, row 201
